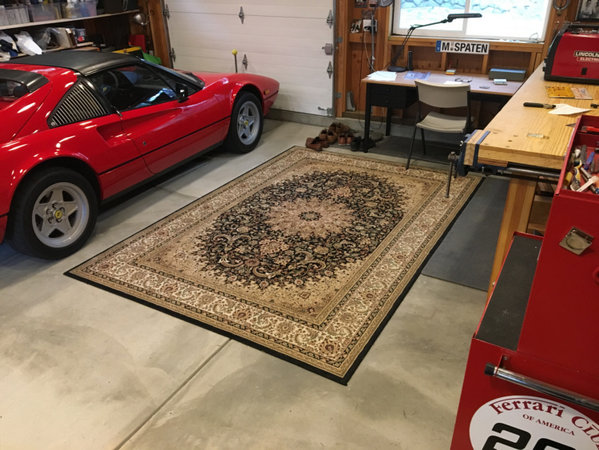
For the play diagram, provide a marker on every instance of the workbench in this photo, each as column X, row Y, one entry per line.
column 520, row 136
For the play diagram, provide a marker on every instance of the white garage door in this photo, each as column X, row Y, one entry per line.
column 283, row 39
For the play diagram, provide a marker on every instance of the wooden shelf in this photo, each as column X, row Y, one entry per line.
column 55, row 21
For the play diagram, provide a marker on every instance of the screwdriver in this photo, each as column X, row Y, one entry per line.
column 589, row 129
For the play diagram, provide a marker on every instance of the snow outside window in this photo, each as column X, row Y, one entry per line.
column 522, row 20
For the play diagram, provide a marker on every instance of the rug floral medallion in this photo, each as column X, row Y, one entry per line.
column 305, row 256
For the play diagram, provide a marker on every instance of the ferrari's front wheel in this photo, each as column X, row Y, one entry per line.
column 54, row 214
column 246, row 125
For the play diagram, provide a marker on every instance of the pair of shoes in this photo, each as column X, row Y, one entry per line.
column 338, row 128
column 366, row 144
column 346, row 138
column 316, row 143
column 328, row 136
column 331, row 137
column 356, row 143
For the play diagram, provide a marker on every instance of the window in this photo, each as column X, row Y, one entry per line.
column 78, row 104
column 132, row 87
column 501, row 19
column 175, row 77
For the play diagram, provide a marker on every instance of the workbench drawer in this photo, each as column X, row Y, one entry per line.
column 561, row 321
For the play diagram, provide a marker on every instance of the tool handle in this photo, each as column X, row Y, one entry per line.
column 540, row 386
column 538, row 105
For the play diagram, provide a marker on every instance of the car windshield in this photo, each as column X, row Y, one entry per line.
column 185, row 75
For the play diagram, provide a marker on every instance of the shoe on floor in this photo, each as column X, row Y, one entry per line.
column 314, row 144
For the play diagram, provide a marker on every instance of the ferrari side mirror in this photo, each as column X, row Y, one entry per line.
column 182, row 92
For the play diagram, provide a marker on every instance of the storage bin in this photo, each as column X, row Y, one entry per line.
column 79, row 9
column 88, row 8
column 3, row 17
column 16, row 14
column 44, row 11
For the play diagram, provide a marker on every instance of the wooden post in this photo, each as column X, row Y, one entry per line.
column 158, row 29
column 342, row 54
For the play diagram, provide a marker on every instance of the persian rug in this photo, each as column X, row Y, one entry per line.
column 306, row 256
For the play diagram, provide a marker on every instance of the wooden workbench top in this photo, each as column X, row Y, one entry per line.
column 531, row 136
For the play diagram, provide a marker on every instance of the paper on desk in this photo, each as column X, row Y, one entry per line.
column 581, row 93
column 382, row 75
column 562, row 109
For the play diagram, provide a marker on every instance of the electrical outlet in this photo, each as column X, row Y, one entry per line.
column 367, row 24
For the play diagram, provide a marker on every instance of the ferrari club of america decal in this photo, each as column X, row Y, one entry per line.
column 531, row 423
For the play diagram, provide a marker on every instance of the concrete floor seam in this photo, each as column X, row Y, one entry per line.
column 173, row 394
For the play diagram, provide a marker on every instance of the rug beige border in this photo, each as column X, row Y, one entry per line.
column 326, row 325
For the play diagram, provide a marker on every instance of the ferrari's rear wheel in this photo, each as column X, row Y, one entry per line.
column 54, row 214
column 246, row 124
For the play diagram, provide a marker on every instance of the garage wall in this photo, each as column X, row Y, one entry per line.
column 282, row 39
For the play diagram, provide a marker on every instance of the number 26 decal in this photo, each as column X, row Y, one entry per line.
column 518, row 439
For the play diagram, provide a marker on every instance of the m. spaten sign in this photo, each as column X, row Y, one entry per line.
column 478, row 48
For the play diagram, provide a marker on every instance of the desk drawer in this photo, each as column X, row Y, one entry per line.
column 391, row 96
column 561, row 319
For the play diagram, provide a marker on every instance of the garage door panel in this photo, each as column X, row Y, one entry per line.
column 197, row 29
column 287, row 48
column 204, row 62
column 269, row 8
column 303, row 99
column 291, row 43
column 261, row 29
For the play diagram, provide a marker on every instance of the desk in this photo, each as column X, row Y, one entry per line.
column 401, row 93
column 525, row 136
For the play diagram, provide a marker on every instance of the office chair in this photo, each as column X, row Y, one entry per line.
column 440, row 96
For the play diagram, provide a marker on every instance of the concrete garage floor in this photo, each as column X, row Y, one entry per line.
column 81, row 368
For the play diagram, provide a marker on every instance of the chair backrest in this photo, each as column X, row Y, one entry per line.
column 443, row 95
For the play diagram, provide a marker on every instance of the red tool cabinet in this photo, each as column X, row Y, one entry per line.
column 532, row 377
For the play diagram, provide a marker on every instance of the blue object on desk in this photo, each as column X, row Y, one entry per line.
column 411, row 75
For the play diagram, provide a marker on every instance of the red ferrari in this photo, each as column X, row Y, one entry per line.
column 80, row 127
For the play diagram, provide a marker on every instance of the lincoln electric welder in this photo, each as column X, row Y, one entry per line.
column 574, row 55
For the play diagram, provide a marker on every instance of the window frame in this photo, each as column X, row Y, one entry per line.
column 425, row 32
